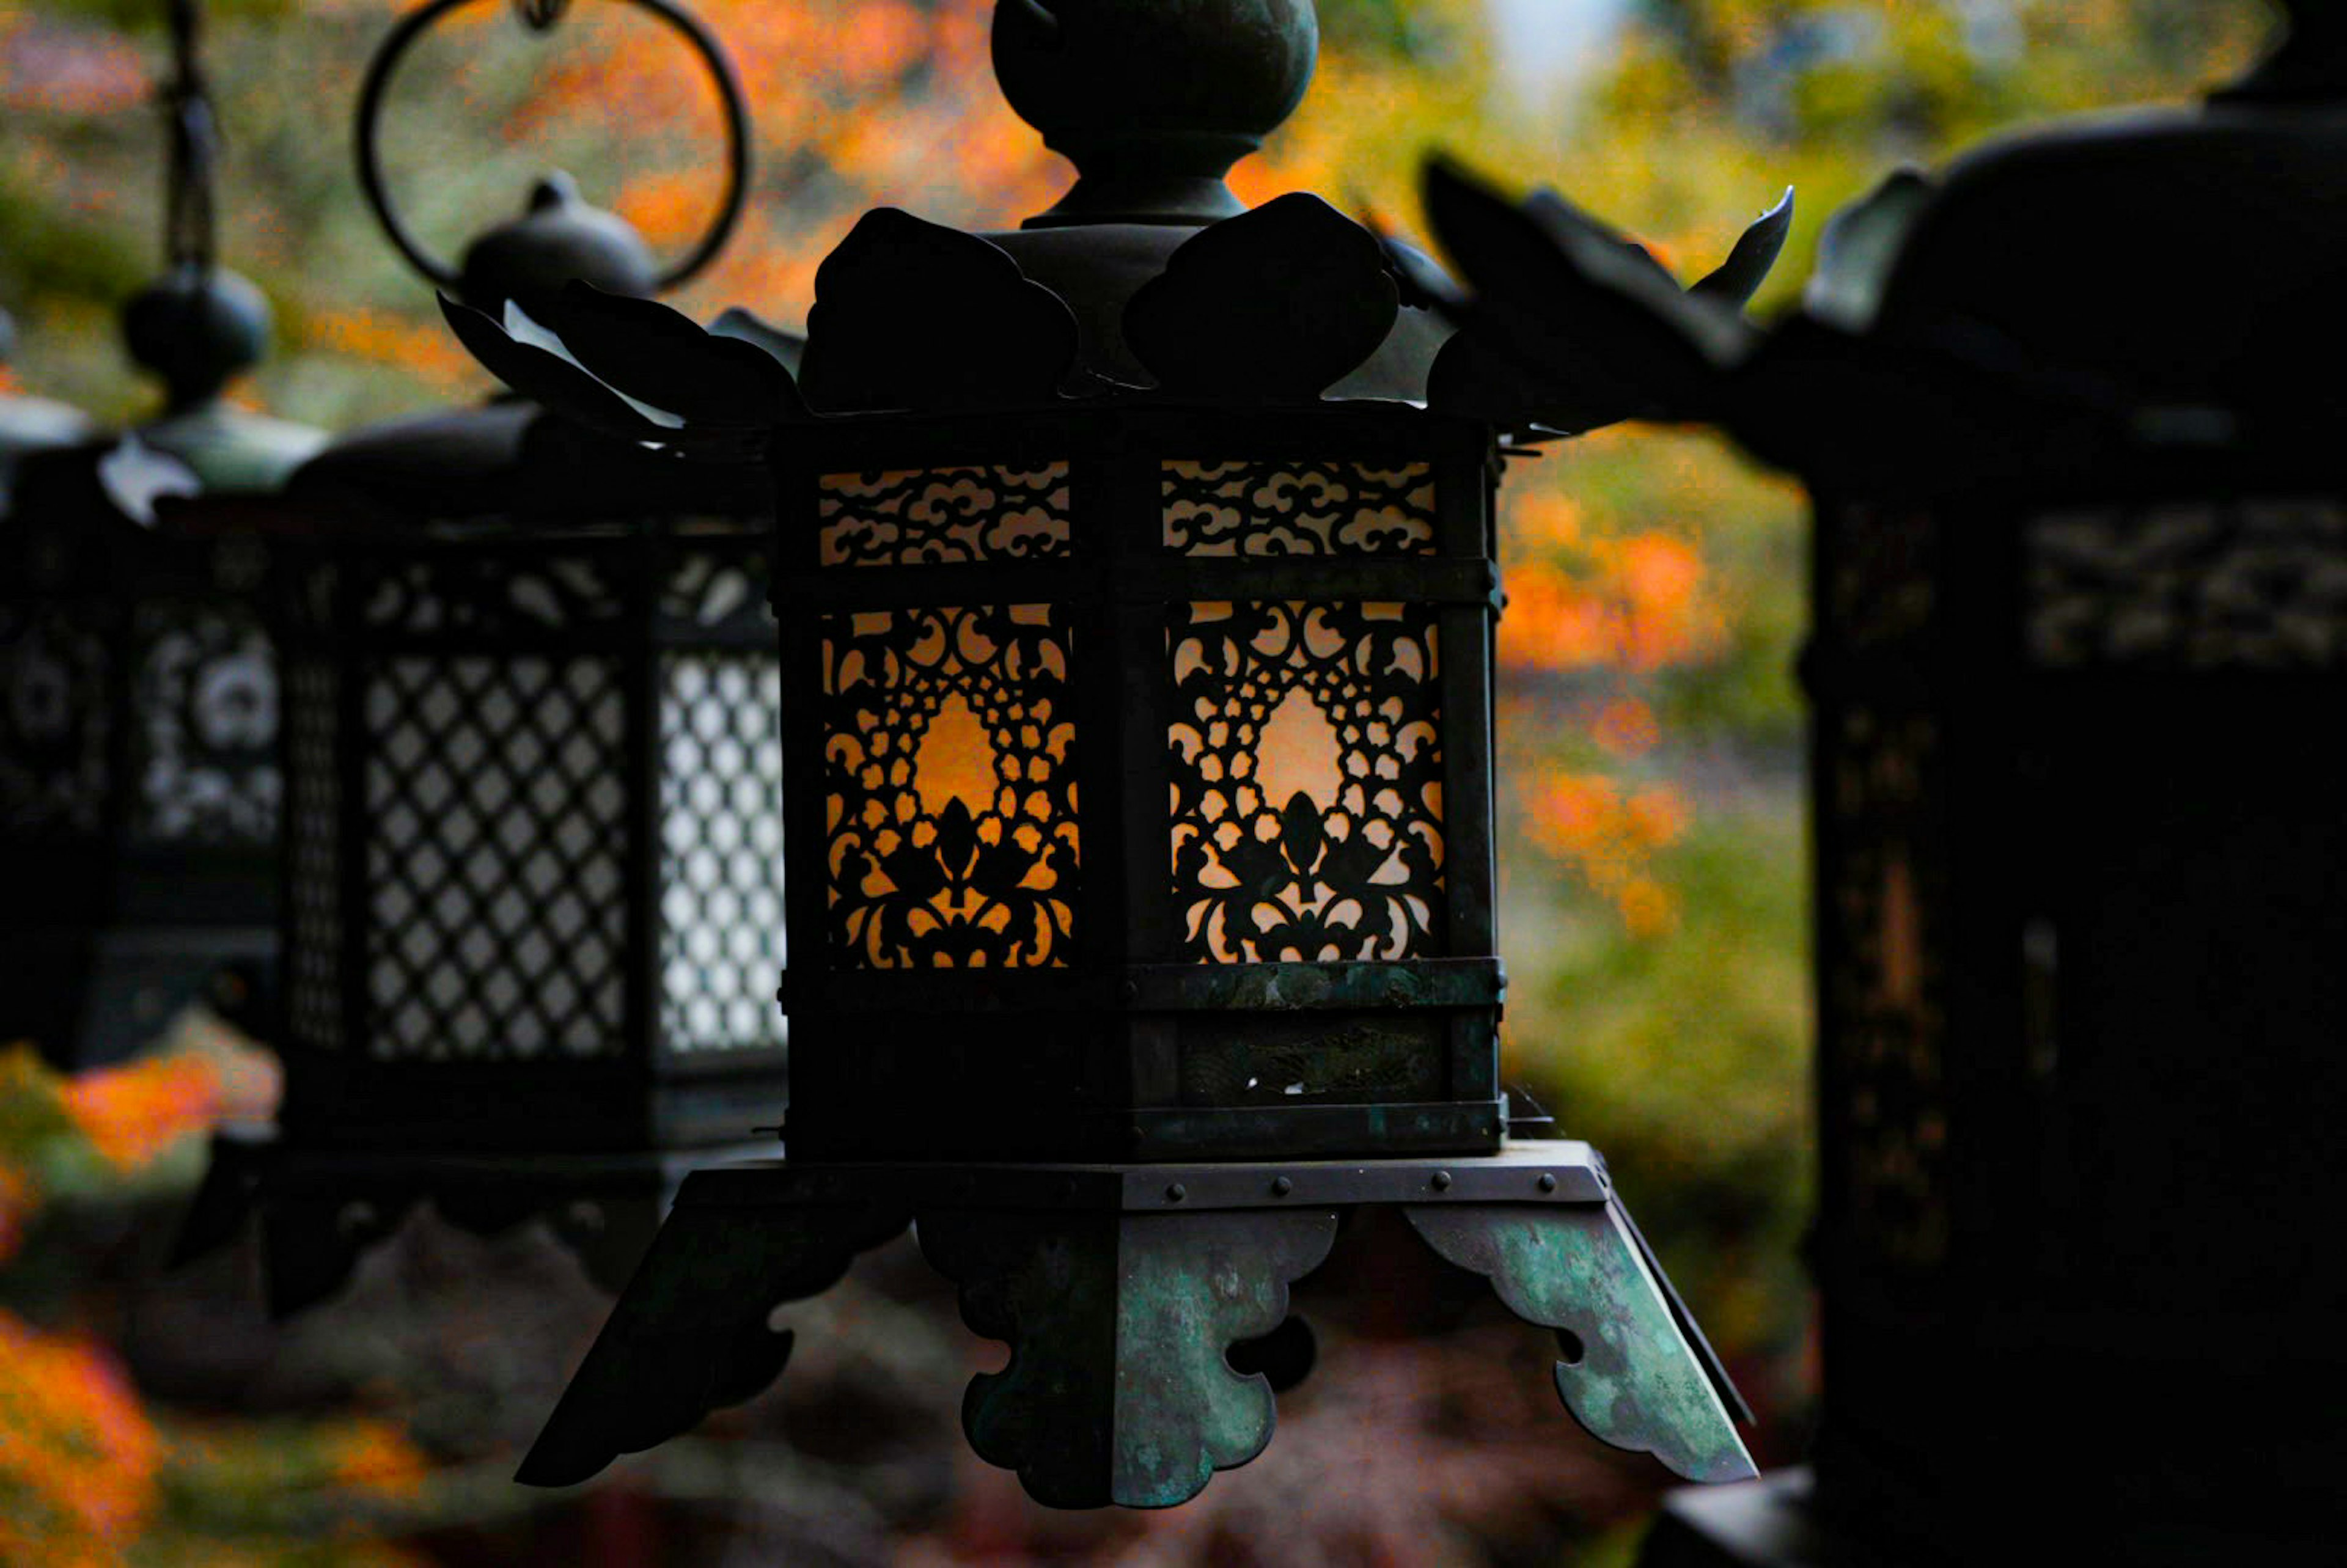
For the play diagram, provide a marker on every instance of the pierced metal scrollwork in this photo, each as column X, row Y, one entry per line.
column 2193, row 585
column 916, row 517
column 1308, row 782
column 1297, row 508
column 949, row 787
column 205, row 751
column 1885, row 993
column 495, row 863
column 717, row 590
column 477, row 594
column 721, row 787
column 53, row 720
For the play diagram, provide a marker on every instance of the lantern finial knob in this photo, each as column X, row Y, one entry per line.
column 1153, row 103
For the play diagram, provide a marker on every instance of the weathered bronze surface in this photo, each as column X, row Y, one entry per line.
column 1128, row 1295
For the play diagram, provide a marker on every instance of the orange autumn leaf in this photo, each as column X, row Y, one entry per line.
column 375, row 1457
column 1608, row 835
column 130, row 1114
column 79, row 1457
column 425, row 351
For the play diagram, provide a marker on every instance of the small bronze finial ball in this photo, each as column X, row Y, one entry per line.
column 560, row 237
column 1154, row 99
column 197, row 328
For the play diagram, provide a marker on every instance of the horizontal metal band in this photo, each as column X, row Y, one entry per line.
column 1511, row 1175
column 1281, row 988
column 1154, row 580
column 1154, row 988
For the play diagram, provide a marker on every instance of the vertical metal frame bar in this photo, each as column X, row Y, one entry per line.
column 1465, row 498
column 796, row 546
column 645, row 551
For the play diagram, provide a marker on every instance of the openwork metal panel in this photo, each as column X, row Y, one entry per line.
column 1882, row 587
column 913, row 516
column 497, row 835
column 2198, row 585
column 720, row 851
column 313, row 923
column 204, row 725
column 1306, row 755
column 1886, row 991
column 54, row 719
column 1292, row 507
column 949, row 800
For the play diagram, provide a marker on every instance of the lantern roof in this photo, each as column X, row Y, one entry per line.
column 2145, row 287
column 1148, row 280
column 2185, row 251
column 509, row 457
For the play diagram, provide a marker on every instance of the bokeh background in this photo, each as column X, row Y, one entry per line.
column 1650, row 756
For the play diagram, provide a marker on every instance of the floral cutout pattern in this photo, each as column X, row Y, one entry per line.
column 1297, row 508
column 1307, row 783
column 949, row 788
column 921, row 516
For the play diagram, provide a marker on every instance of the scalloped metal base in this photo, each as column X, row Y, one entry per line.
column 320, row 1210
column 1121, row 1291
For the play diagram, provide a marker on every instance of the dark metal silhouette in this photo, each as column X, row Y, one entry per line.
column 2078, row 565
column 532, row 900
column 1137, row 614
column 138, row 696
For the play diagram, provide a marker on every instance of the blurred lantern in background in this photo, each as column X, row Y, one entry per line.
column 1136, row 584
column 533, row 875
column 138, row 702
column 2080, row 582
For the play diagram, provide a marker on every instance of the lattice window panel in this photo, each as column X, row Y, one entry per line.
column 498, row 837
column 204, row 717
column 2246, row 584
column 949, row 775
column 53, row 720
column 912, row 517
column 1888, row 991
column 720, row 851
column 1291, row 508
column 313, row 838
column 1306, row 768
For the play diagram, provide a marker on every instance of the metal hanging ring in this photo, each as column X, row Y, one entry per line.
column 538, row 14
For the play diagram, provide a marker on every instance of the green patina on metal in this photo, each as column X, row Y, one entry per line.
column 1117, row 1389
column 1637, row 1384
column 1190, row 1286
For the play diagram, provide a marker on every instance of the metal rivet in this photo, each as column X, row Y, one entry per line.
column 1281, row 1187
column 1547, row 1181
column 1175, row 1193
column 1441, row 1181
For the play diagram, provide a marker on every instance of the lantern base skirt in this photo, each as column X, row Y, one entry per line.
column 319, row 1209
column 1130, row 1295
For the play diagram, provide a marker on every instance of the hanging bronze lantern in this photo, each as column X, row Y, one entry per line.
column 2078, row 882
column 139, row 782
column 533, row 829
column 1136, row 616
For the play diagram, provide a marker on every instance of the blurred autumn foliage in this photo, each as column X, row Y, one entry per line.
column 1649, row 745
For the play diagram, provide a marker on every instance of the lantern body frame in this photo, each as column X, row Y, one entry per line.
column 2076, row 882
column 1122, row 1044
column 139, row 790
column 496, row 710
